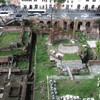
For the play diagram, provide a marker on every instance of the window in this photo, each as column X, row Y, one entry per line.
column 50, row 6
column 94, row 0
column 43, row 7
column 30, row 7
column 71, row 5
column 62, row 5
column 87, row 0
column 92, row 7
column 86, row 7
column 54, row 0
column 71, row 1
column 35, row 0
column 78, row 6
column 67, row 6
column 46, row 6
column 36, row 6
column 25, row 6
column 68, row 1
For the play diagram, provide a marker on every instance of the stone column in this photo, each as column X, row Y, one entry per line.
column 62, row 27
column 84, row 26
column 68, row 26
column 91, row 24
column 57, row 32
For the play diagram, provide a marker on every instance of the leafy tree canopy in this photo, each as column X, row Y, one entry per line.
column 61, row 1
column 98, row 46
column 2, row 1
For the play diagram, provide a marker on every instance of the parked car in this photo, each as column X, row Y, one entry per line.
column 85, row 15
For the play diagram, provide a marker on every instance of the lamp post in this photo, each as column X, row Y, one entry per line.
column 51, row 15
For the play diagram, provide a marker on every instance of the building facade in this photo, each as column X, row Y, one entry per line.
column 68, row 4
column 15, row 2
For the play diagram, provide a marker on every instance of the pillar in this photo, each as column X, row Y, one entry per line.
column 68, row 26
column 62, row 27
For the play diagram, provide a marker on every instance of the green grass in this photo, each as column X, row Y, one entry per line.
column 12, row 52
column 42, row 71
column 22, row 64
column 82, row 38
column 42, row 56
column 65, row 41
column 7, row 38
column 26, row 37
column 84, row 87
column 71, row 57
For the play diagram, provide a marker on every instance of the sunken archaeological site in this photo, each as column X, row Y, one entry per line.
column 50, row 58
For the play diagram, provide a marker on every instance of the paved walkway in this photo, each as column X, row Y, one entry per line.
column 94, row 69
column 67, row 77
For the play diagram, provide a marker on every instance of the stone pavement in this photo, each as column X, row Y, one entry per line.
column 94, row 69
column 68, row 48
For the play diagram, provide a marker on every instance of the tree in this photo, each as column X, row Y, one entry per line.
column 2, row 1
column 60, row 1
column 98, row 46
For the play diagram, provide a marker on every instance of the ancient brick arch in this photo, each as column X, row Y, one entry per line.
column 48, row 24
column 72, row 24
column 88, row 24
column 79, row 24
column 55, row 24
column 65, row 25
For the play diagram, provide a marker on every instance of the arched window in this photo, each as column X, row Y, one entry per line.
column 78, row 6
column 30, row 7
column 92, row 7
column 36, row 6
column 86, row 7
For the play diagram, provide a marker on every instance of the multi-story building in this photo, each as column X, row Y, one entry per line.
column 15, row 2
column 68, row 4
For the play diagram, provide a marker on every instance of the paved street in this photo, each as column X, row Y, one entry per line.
column 95, row 69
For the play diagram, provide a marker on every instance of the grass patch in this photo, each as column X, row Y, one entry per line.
column 65, row 41
column 42, row 71
column 84, row 88
column 12, row 52
column 26, row 37
column 22, row 64
column 42, row 56
column 82, row 37
column 7, row 38
column 71, row 57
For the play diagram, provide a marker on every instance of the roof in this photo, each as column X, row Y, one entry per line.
column 3, row 59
